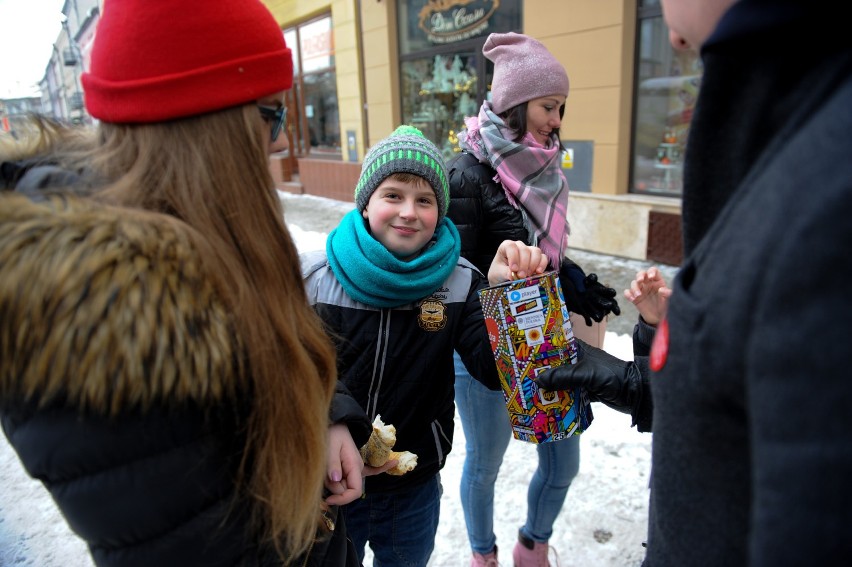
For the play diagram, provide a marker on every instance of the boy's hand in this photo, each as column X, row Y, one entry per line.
column 514, row 261
column 648, row 292
column 372, row 471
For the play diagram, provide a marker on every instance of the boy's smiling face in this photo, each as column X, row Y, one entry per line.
column 402, row 215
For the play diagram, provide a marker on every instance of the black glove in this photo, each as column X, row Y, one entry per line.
column 605, row 378
column 584, row 295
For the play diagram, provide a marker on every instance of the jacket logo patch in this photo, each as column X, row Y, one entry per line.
column 433, row 315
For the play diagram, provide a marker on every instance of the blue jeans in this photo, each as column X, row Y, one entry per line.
column 401, row 528
column 487, row 434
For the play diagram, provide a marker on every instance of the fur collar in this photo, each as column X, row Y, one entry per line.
column 108, row 309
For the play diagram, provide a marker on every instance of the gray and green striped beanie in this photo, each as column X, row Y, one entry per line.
column 406, row 150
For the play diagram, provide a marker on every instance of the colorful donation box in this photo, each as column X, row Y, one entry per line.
column 530, row 332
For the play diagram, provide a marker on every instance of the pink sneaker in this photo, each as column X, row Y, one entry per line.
column 529, row 553
column 485, row 560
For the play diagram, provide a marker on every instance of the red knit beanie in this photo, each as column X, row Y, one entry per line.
column 523, row 70
column 155, row 60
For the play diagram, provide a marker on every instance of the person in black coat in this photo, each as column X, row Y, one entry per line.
column 161, row 371
column 748, row 391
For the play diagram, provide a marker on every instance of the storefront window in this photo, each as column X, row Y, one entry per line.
column 313, row 121
column 667, row 87
column 438, row 93
column 319, row 92
column 444, row 77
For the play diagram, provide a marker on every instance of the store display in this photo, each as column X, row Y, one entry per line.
column 669, row 161
column 444, row 93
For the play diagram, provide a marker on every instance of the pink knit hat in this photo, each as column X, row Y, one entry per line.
column 523, row 70
column 165, row 59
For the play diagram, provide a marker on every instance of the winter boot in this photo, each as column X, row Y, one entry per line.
column 529, row 553
column 485, row 560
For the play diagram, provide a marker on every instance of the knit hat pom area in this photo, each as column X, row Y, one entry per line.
column 523, row 70
column 406, row 150
column 159, row 60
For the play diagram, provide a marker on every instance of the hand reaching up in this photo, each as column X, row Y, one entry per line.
column 648, row 292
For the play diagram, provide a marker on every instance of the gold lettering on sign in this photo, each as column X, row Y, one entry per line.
column 448, row 21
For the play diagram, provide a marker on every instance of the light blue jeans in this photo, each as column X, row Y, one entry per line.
column 487, row 434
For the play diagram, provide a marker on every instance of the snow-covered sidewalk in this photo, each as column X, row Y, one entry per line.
column 602, row 524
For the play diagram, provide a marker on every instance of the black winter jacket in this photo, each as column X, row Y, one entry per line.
column 484, row 218
column 481, row 211
column 111, row 319
column 398, row 363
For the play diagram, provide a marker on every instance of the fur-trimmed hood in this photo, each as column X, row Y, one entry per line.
column 108, row 309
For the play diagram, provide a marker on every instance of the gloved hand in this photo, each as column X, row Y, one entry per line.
column 605, row 378
column 584, row 295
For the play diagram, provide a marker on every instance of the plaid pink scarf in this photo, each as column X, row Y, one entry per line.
column 531, row 175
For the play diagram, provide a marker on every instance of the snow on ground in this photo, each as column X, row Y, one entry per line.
column 602, row 523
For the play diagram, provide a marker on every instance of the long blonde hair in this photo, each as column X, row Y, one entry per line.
column 211, row 172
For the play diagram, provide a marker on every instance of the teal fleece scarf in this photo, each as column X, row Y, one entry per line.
column 372, row 274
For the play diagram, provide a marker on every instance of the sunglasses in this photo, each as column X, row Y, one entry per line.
column 275, row 116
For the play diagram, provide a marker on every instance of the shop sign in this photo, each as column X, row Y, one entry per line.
column 317, row 44
column 449, row 21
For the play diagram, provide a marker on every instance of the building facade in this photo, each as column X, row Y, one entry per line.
column 13, row 114
column 365, row 66
column 61, row 89
column 362, row 67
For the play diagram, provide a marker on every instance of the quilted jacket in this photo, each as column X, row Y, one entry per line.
column 398, row 363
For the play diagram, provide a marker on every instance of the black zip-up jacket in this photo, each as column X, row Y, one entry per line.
column 398, row 363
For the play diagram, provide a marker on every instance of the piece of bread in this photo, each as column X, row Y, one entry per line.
column 407, row 462
column 377, row 451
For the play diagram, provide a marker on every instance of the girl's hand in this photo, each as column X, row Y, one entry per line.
column 648, row 292
column 345, row 476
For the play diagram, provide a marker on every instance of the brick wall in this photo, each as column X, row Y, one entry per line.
column 332, row 179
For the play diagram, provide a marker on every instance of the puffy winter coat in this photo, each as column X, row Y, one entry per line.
column 398, row 363
column 481, row 211
column 120, row 387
